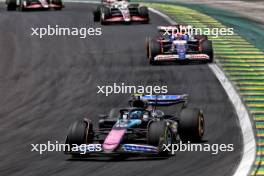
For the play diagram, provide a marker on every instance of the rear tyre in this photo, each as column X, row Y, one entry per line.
column 153, row 49
column 191, row 125
column 201, row 37
column 158, row 135
column 207, row 48
column 11, row 5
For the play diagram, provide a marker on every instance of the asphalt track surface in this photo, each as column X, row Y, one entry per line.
column 46, row 84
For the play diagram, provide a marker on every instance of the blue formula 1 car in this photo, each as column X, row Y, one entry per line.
column 138, row 129
column 177, row 43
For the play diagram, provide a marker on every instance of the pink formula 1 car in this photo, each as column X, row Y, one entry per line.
column 139, row 129
column 23, row 5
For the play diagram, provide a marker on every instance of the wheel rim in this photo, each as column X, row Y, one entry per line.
column 168, row 137
column 102, row 17
column 201, row 125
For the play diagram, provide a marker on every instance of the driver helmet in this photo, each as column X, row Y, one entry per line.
column 125, row 116
column 145, row 117
column 180, row 34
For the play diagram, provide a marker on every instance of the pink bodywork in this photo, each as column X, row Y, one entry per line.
column 38, row 6
column 113, row 139
column 133, row 18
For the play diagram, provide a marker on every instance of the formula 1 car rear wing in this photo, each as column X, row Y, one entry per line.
column 164, row 100
column 157, row 100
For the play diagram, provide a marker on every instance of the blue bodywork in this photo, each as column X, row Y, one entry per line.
column 126, row 124
column 139, row 148
column 163, row 99
column 133, row 119
column 181, row 48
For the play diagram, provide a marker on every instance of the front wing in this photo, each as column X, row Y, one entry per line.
column 175, row 57
column 40, row 6
column 123, row 149
column 121, row 19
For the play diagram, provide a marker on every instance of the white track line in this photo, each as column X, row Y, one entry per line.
column 249, row 150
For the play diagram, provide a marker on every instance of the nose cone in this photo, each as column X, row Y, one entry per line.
column 113, row 140
column 109, row 147
column 127, row 19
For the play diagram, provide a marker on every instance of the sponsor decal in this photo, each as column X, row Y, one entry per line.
column 166, row 57
column 198, row 56
column 139, row 148
column 171, row 57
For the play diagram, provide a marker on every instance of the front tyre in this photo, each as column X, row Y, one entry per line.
column 159, row 134
column 11, row 5
column 105, row 14
column 153, row 49
column 97, row 14
column 81, row 132
column 144, row 13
